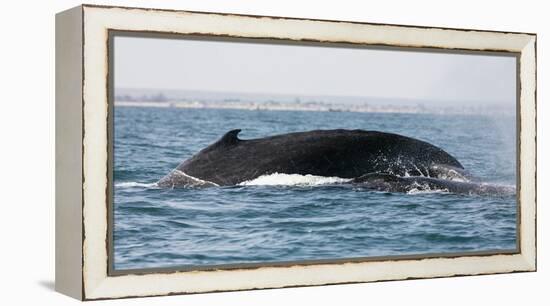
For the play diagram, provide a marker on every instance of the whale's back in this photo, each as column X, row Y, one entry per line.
column 341, row 153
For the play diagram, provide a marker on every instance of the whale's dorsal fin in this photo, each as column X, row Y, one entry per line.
column 230, row 137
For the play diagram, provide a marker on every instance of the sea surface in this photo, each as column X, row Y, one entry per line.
column 296, row 218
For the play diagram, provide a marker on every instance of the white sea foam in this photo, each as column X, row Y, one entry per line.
column 426, row 190
column 195, row 179
column 180, row 178
column 419, row 188
column 453, row 175
column 283, row 179
column 475, row 189
column 135, row 184
column 450, row 173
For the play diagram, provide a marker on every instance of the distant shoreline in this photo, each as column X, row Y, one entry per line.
column 251, row 106
column 310, row 107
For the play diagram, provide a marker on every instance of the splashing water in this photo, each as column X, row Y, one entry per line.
column 282, row 179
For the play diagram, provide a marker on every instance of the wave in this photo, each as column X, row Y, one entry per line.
column 180, row 178
column 467, row 188
column 449, row 173
column 135, row 184
column 455, row 183
column 283, row 179
column 427, row 190
column 387, row 183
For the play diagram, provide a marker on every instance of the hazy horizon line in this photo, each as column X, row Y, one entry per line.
column 296, row 95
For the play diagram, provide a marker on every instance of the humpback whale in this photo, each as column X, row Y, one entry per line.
column 382, row 161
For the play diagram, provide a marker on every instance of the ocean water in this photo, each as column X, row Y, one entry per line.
column 292, row 217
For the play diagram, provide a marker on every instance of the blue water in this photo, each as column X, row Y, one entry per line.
column 156, row 227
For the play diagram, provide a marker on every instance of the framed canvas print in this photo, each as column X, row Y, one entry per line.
column 201, row 152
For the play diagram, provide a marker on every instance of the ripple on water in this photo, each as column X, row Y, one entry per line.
column 207, row 226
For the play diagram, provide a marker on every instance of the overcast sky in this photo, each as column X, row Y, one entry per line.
column 154, row 63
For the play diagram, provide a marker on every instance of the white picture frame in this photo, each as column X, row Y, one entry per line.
column 83, row 139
